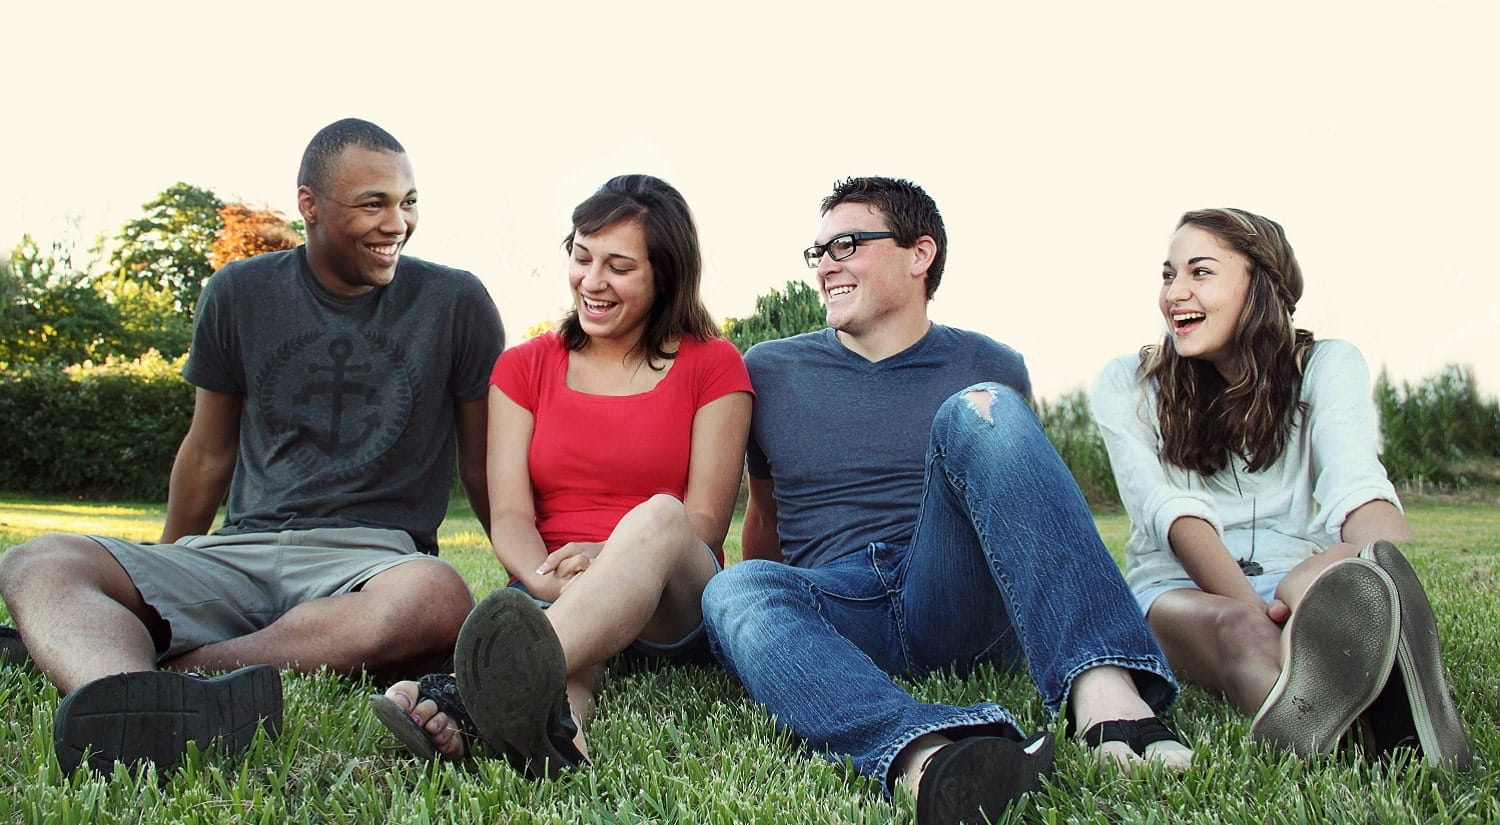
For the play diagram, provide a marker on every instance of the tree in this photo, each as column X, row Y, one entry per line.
column 168, row 247
column 53, row 314
column 778, row 315
column 539, row 328
column 245, row 232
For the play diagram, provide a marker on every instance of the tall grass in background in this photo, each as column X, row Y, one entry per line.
column 1439, row 432
column 1071, row 429
column 1437, row 435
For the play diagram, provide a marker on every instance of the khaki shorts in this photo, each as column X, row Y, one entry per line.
column 212, row 588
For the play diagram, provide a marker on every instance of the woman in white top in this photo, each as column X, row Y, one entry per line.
column 1261, row 517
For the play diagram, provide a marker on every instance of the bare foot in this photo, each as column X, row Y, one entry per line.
column 439, row 727
column 1108, row 694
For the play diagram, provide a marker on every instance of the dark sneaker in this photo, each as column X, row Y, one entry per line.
column 1419, row 672
column 151, row 716
column 972, row 780
column 12, row 648
column 1337, row 651
column 513, row 680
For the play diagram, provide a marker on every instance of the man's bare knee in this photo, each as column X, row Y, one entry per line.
column 77, row 555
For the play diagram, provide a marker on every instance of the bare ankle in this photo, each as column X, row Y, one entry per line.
column 909, row 763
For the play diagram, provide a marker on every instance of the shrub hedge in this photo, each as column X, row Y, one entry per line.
column 94, row 431
column 110, row 431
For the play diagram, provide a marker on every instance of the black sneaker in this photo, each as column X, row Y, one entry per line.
column 972, row 780
column 513, row 679
column 151, row 716
column 12, row 648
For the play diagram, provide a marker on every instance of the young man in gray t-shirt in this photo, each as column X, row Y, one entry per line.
column 907, row 515
column 335, row 384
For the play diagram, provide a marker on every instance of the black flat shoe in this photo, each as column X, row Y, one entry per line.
column 974, row 779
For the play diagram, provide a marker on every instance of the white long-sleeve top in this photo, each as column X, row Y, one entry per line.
column 1277, row 516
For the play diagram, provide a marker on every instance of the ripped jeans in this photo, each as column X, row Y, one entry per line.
column 1004, row 567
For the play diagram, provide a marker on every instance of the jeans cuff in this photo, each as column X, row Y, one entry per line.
column 1153, row 680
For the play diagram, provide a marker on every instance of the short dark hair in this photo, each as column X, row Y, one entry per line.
column 909, row 211
column 671, row 248
column 332, row 140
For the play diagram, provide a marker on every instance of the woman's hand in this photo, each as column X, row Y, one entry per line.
column 1278, row 611
column 571, row 559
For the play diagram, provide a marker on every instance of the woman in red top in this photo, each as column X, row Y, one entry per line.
column 615, row 451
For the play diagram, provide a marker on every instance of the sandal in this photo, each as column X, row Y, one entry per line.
column 510, row 666
column 972, row 780
column 442, row 689
column 1138, row 735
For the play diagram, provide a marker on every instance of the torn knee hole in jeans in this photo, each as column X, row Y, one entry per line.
column 980, row 401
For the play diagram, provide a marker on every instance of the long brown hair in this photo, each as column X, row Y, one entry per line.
column 672, row 249
column 1204, row 418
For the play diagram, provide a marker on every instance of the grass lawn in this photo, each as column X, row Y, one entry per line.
column 686, row 745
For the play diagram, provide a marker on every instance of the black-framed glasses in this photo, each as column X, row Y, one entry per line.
column 841, row 247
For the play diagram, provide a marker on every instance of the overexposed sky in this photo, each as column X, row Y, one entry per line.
column 1060, row 140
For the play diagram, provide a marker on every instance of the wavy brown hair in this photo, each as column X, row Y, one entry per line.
column 1204, row 418
column 672, row 249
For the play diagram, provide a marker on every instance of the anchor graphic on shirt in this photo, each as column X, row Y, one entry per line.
column 339, row 386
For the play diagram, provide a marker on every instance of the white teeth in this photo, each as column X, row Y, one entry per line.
column 597, row 305
column 845, row 289
column 388, row 249
column 1181, row 317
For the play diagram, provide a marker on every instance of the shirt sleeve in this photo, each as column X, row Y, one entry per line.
column 1154, row 493
column 1342, row 433
column 517, row 371
column 212, row 352
column 480, row 337
column 722, row 372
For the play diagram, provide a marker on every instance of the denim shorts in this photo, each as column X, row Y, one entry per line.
column 217, row 587
column 690, row 649
column 1264, row 584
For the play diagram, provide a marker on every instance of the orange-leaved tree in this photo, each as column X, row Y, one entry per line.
column 248, row 232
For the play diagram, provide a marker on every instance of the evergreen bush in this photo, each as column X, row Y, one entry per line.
column 1072, row 430
column 96, row 431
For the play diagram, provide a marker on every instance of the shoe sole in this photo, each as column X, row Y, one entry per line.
column 399, row 722
column 512, row 675
column 974, row 780
column 1419, row 660
column 152, row 716
column 1340, row 647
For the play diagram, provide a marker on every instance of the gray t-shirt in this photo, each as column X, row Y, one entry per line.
column 348, row 416
column 844, row 440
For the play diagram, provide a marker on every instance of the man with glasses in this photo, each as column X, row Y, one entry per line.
column 907, row 515
column 335, row 382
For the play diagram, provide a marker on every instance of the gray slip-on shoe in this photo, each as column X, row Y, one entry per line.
column 513, row 679
column 1337, row 651
column 151, row 716
column 1419, row 667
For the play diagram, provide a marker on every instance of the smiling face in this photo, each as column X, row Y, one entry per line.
column 613, row 285
column 358, row 223
column 879, row 282
column 1203, row 289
